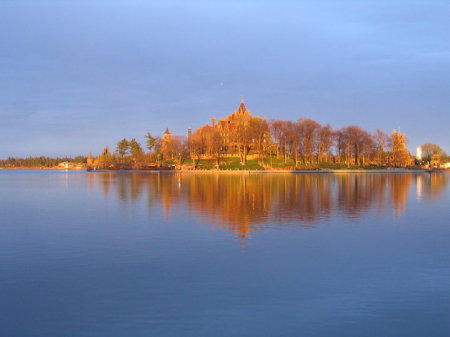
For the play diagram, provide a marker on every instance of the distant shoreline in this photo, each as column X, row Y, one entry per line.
column 42, row 168
column 215, row 171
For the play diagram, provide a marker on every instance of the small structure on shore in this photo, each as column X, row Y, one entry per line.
column 435, row 161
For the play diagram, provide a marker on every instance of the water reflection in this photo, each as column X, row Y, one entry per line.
column 242, row 203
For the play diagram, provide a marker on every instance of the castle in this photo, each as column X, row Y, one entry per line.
column 238, row 122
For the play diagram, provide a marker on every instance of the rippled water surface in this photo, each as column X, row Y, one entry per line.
column 170, row 254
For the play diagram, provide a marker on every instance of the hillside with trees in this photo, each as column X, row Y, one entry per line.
column 243, row 141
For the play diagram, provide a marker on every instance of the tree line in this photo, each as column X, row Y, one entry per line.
column 131, row 151
column 301, row 143
column 40, row 161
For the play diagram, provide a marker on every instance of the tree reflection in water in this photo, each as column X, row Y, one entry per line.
column 242, row 203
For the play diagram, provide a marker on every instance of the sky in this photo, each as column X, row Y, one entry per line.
column 78, row 75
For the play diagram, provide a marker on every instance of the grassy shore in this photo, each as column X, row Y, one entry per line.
column 279, row 165
column 273, row 171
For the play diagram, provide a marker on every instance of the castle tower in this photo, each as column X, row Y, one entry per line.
column 189, row 137
column 167, row 136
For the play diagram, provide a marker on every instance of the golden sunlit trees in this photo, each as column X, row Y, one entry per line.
column 122, row 148
column 174, row 148
column 292, row 137
column 242, row 140
column 307, row 129
column 305, row 140
column 206, row 142
column 279, row 130
column 324, row 143
column 381, row 144
column 260, row 136
column 340, row 144
column 179, row 147
column 429, row 149
column 366, row 148
column 105, row 158
column 400, row 155
column 358, row 145
column 136, row 151
column 214, row 144
column 197, row 146
column 301, row 143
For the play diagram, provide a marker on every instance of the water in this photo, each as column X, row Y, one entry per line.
column 170, row 254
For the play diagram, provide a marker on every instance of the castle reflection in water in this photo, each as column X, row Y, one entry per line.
column 242, row 203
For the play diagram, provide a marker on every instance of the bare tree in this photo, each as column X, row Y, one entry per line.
column 197, row 146
column 180, row 148
column 307, row 129
column 241, row 137
column 358, row 144
column 429, row 149
column 276, row 130
column 381, row 144
column 260, row 136
column 324, row 143
column 214, row 144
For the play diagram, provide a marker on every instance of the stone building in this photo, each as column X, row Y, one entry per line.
column 231, row 127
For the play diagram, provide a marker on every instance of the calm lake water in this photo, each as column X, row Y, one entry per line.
column 170, row 254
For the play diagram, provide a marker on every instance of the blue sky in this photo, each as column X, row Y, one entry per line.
column 77, row 75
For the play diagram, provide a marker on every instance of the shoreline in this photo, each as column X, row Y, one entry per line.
column 215, row 171
column 325, row 171
column 42, row 168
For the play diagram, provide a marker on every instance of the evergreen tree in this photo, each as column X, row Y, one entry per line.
column 135, row 149
column 123, row 148
column 150, row 141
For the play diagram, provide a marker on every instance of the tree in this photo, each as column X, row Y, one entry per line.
column 324, row 142
column 429, row 149
column 150, row 141
column 381, row 144
column 214, row 144
column 167, row 149
column 122, row 148
column 307, row 129
column 179, row 148
column 359, row 144
column 399, row 153
column 197, row 146
column 279, row 130
column 135, row 150
column 340, row 141
column 157, row 149
column 241, row 137
column 80, row 159
column 260, row 136
column 105, row 158
column 292, row 140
